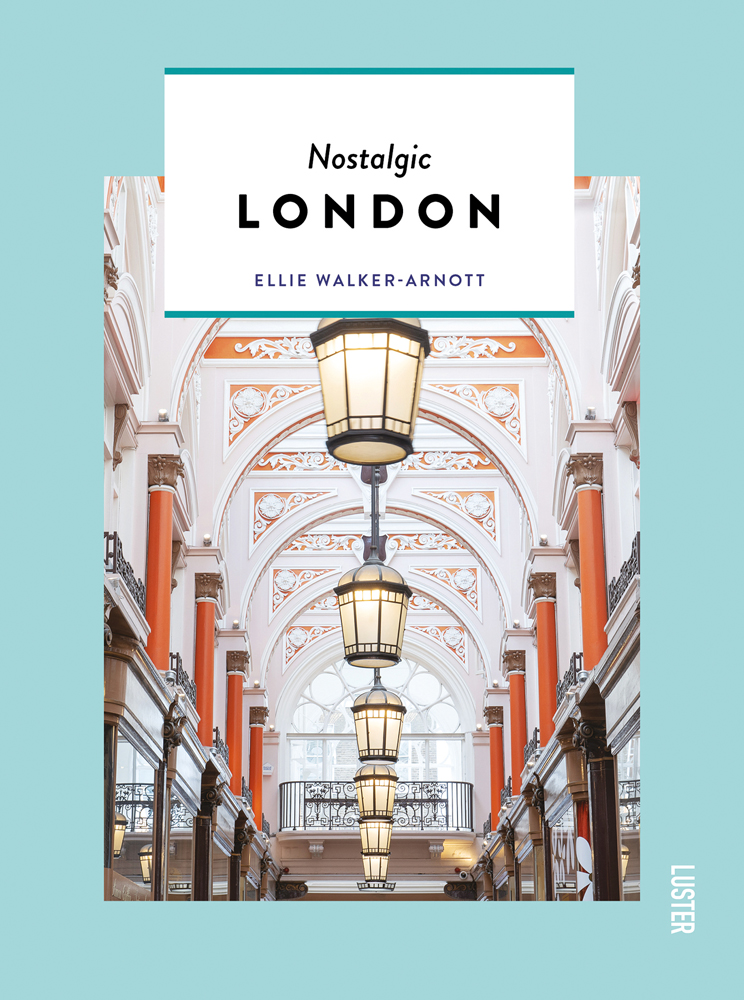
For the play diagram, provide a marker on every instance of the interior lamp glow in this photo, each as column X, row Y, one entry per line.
column 376, row 835
column 375, row 867
column 625, row 854
column 375, row 788
column 370, row 376
column 378, row 720
column 120, row 828
column 145, row 856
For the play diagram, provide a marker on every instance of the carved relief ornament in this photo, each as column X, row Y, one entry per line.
column 590, row 738
column 208, row 585
column 586, row 469
column 514, row 661
column 164, row 470
column 237, row 661
column 211, row 798
column 258, row 715
column 494, row 715
column 542, row 584
column 172, row 729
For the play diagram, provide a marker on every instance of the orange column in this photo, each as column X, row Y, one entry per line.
column 587, row 473
column 162, row 475
column 208, row 586
column 258, row 716
column 495, row 719
column 543, row 587
column 514, row 670
column 237, row 665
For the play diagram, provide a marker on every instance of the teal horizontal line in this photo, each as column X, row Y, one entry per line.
column 260, row 314
column 357, row 71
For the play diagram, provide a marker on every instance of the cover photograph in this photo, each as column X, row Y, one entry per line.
column 372, row 501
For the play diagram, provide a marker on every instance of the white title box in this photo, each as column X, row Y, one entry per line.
column 491, row 147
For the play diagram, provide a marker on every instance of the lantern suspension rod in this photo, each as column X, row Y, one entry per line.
column 375, row 505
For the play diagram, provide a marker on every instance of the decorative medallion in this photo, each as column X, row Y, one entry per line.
column 500, row 402
column 299, row 461
column 287, row 582
column 249, row 402
column 301, row 636
column 270, row 508
column 450, row 637
column 463, row 580
column 447, row 461
column 478, row 506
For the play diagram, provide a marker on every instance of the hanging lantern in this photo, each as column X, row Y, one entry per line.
column 378, row 719
column 375, row 788
column 120, row 828
column 375, row 867
column 370, row 375
column 373, row 602
column 376, row 835
column 145, row 856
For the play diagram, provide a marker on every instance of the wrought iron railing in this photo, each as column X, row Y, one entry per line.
column 182, row 678
column 569, row 679
column 630, row 568
column 419, row 805
column 487, row 826
column 136, row 801
column 630, row 804
column 533, row 745
column 246, row 792
column 265, row 827
column 114, row 561
column 506, row 793
column 220, row 747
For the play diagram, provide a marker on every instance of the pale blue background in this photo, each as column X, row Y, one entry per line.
column 657, row 93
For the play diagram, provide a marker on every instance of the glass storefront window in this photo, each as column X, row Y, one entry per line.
column 629, row 802
column 527, row 877
column 220, row 874
column 134, row 808
column 181, row 851
column 563, row 856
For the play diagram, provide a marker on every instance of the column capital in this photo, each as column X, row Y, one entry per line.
column 494, row 715
column 211, row 798
column 208, row 585
column 237, row 661
column 586, row 469
column 258, row 715
column 542, row 584
column 514, row 661
column 590, row 738
column 164, row 470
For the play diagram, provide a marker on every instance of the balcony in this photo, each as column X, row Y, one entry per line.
column 114, row 562
column 419, row 805
column 629, row 569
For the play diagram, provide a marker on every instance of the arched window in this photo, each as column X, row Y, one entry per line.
column 322, row 745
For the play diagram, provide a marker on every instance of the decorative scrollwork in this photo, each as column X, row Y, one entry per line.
column 630, row 568
column 114, row 562
column 590, row 738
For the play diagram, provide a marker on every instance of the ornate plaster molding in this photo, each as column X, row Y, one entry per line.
column 164, row 470
column 500, row 402
column 542, row 584
column 585, row 468
column 249, row 402
column 494, row 715
column 450, row 637
column 208, row 585
column 237, row 660
column 514, row 660
column 258, row 715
